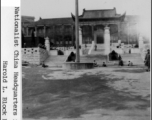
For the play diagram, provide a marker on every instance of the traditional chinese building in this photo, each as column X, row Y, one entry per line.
column 61, row 31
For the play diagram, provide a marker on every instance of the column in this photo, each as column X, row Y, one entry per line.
column 92, row 26
column 53, row 32
column 107, row 40
column 95, row 36
column 137, row 34
column 63, row 41
column 72, row 34
column 47, row 44
column 23, row 29
column 27, row 31
column 35, row 35
column 141, row 43
column 80, row 40
column 80, row 36
column 35, row 31
column 118, row 31
column 44, row 31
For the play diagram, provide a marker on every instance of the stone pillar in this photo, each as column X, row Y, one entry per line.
column 80, row 40
column 141, row 42
column 27, row 31
column 107, row 40
column 44, row 31
column 118, row 31
column 53, row 32
column 80, row 36
column 92, row 26
column 47, row 44
column 72, row 34
column 63, row 40
column 119, row 41
column 35, row 32
column 95, row 38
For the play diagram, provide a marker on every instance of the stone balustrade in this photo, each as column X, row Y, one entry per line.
column 34, row 55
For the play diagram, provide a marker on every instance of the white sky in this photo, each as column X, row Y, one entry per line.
column 63, row 8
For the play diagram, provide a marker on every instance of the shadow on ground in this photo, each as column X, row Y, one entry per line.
column 131, row 70
column 72, row 98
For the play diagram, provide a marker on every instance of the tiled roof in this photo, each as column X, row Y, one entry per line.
column 103, row 13
column 53, row 21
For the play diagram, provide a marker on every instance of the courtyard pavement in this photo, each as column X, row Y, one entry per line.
column 110, row 93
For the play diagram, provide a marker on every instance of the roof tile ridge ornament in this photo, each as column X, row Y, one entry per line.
column 73, row 17
column 123, row 16
column 99, row 10
column 40, row 18
column 115, row 11
column 83, row 12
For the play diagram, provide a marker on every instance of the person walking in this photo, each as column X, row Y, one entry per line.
column 95, row 47
column 147, row 60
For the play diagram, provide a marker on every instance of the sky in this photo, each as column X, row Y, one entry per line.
column 64, row 8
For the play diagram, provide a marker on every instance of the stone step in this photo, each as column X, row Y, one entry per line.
column 135, row 58
column 58, row 60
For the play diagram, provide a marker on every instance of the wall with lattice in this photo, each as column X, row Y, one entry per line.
column 34, row 55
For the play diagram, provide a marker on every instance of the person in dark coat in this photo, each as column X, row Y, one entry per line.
column 104, row 64
column 43, row 65
column 119, row 57
column 95, row 47
column 71, row 57
column 147, row 60
column 95, row 63
column 113, row 55
column 130, row 63
column 121, row 62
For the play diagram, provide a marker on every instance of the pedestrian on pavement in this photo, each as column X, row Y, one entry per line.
column 130, row 63
column 95, row 47
column 147, row 60
column 43, row 65
column 119, row 57
column 121, row 62
column 95, row 63
column 104, row 64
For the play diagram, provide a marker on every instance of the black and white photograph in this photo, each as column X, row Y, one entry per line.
column 86, row 59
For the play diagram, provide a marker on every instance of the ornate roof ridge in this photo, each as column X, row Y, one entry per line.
column 99, row 10
column 53, row 18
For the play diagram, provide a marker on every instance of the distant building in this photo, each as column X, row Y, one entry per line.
column 26, row 20
column 61, row 31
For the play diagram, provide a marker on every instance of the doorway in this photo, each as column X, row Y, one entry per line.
column 99, row 36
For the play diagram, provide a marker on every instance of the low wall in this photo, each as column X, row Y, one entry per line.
column 77, row 66
column 53, row 52
column 135, row 50
column 34, row 55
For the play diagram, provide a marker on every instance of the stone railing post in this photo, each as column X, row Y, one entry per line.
column 107, row 40
column 47, row 44
column 141, row 43
column 80, row 36
column 80, row 40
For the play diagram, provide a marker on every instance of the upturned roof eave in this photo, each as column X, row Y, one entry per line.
column 102, row 18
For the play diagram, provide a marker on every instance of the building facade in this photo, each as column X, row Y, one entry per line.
column 92, row 23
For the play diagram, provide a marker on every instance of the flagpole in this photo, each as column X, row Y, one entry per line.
column 77, row 31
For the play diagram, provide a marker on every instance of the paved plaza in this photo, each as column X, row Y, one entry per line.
column 111, row 93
